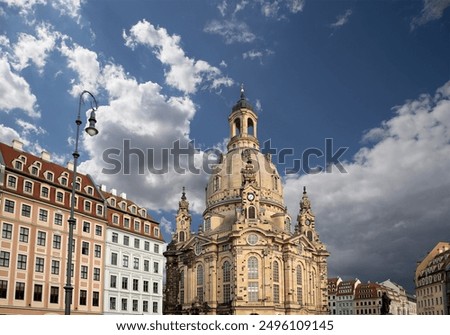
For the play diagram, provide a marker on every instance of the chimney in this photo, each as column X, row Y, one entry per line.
column 114, row 191
column 45, row 155
column 103, row 188
column 18, row 145
column 123, row 195
column 70, row 166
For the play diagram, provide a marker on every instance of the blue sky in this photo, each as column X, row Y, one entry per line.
column 371, row 75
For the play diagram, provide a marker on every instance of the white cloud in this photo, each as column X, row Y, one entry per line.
column 15, row 91
column 34, row 49
column 232, row 31
column 69, row 8
column 393, row 204
column 432, row 10
column 27, row 8
column 85, row 64
column 28, row 128
column 166, row 225
column 342, row 19
column 184, row 73
column 8, row 134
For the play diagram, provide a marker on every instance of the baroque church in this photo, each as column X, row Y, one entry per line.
column 247, row 256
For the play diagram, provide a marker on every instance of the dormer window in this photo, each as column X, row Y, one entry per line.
column 18, row 165
column 133, row 209
column 34, row 170
column 112, row 202
column 156, row 232
column 89, row 190
column 64, row 181
column 49, row 176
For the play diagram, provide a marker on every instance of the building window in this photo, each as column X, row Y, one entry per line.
column 58, row 219
column 39, row 266
column 43, row 215
column 54, row 294
column 155, row 288
column 84, row 272
column 226, row 279
column 85, row 248
column 299, row 285
column 49, row 176
column 200, row 278
column 89, row 190
column 18, row 165
column 145, row 306
column 95, row 298
column 156, row 248
column 276, row 293
column 26, row 210
column 113, row 258
column 124, row 283
column 251, row 212
column 126, row 240
column 56, row 242
column 115, row 219
column 147, row 246
column 145, row 286
column 124, row 304
column 34, row 170
column 23, row 235
column 137, row 243
column 146, row 265
column 126, row 222
column 98, row 230
column 155, row 267
column 156, row 232
column 147, row 229
column 135, row 285
column 83, row 297
column 12, row 182
column 98, row 251
column 3, row 289
column 112, row 303
column 87, row 206
column 99, row 210
column 125, row 261
column 182, row 287
column 137, row 226
column 115, row 237
column 64, row 181
column 22, row 262
column 97, row 274
column 276, row 272
column 28, row 187
column 252, row 291
column 59, row 196
column 41, row 237
column 136, row 263
column 7, row 231
column 9, row 206
column 4, row 258
column 44, row 192
column 55, row 267
column 155, row 307
column 20, row 291
column 252, row 266
column 86, row 227
column 135, row 305
column 113, row 281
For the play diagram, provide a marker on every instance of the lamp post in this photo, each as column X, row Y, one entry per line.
column 92, row 131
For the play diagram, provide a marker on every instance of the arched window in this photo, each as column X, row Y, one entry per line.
column 226, row 282
column 276, row 280
column 237, row 127
column 251, row 212
column 309, row 235
column 250, row 127
column 216, row 183
column 200, row 283
column 181, row 237
column 299, row 285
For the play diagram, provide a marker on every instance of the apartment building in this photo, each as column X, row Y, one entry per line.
column 432, row 279
column 368, row 299
column 345, row 296
column 333, row 284
column 134, row 263
column 35, row 196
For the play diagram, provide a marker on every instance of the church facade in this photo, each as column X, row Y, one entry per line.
column 248, row 256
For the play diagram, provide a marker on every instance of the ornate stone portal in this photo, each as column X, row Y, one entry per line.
column 246, row 258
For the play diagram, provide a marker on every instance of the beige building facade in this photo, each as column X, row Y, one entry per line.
column 34, row 208
column 248, row 256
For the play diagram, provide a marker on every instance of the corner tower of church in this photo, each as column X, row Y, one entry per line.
column 247, row 257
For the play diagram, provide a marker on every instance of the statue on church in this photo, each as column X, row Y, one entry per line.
column 385, row 302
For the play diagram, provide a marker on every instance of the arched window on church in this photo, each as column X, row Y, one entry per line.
column 253, row 282
column 251, row 212
column 275, row 183
column 237, row 127
column 182, row 287
column 276, row 282
column 299, row 275
column 181, row 236
column 250, row 127
column 309, row 235
column 226, row 282
column 200, row 283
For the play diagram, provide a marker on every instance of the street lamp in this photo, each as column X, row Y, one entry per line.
column 92, row 131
